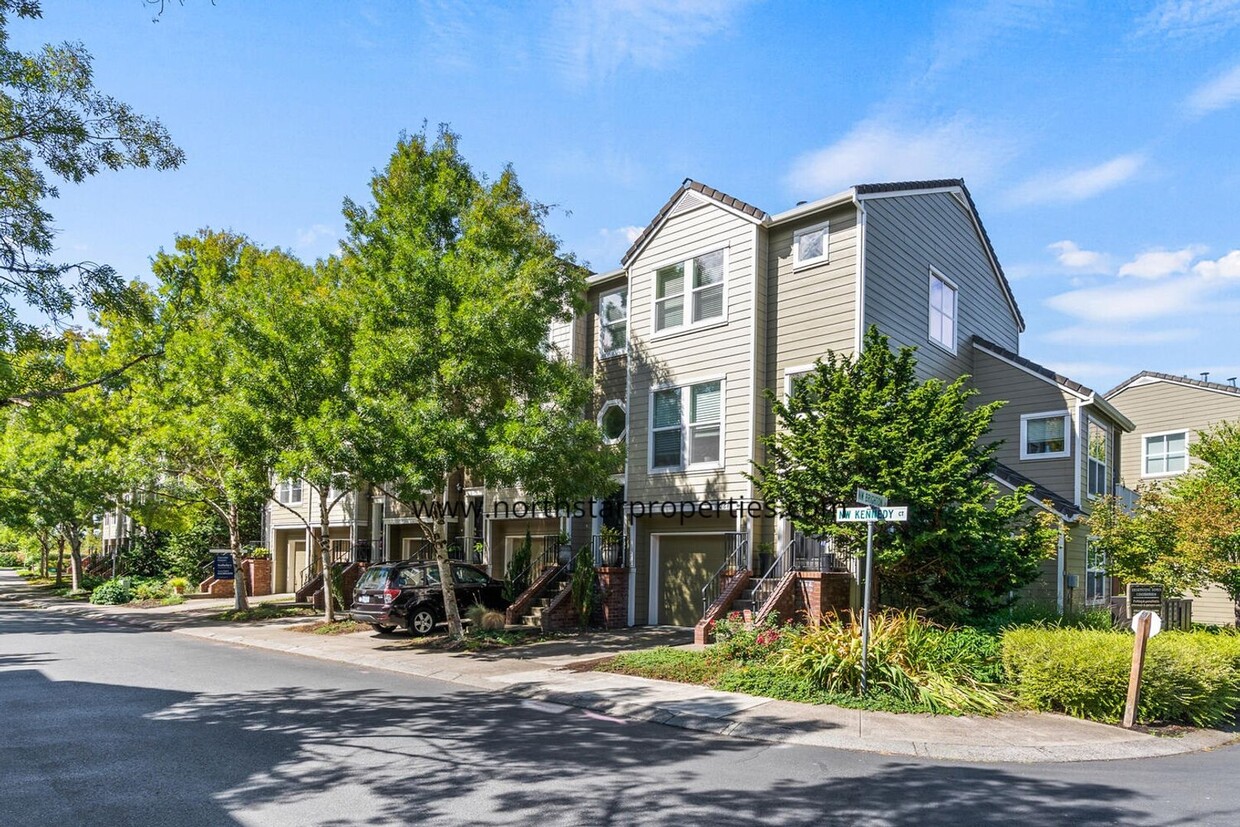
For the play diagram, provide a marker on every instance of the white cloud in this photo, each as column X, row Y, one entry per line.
column 1157, row 264
column 1070, row 255
column 316, row 240
column 1216, row 94
column 1100, row 335
column 1226, row 267
column 1128, row 303
column 592, row 40
column 1091, row 372
column 1078, row 184
column 1191, row 18
column 878, row 150
column 603, row 250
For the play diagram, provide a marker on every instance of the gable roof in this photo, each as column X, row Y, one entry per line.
column 1217, row 387
column 1087, row 395
column 1014, row 479
column 690, row 185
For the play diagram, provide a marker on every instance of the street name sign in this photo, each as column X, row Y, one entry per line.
column 870, row 498
column 891, row 514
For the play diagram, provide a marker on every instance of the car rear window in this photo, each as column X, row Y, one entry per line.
column 373, row 578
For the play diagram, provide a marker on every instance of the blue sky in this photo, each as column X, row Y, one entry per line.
column 1099, row 139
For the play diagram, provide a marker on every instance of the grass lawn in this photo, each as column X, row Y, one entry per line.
column 263, row 611
column 476, row 641
column 336, row 627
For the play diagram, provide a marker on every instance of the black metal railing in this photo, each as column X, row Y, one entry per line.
column 335, row 557
column 766, row 584
column 736, row 559
column 610, row 551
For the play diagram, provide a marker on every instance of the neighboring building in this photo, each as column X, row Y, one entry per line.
column 1168, row 412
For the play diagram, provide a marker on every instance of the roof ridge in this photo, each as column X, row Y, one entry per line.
column 696, row 186
column 1170, row 377
column 1000, row 350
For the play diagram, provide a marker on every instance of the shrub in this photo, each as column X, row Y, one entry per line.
column 911, row 660
column 474, row 614
column 112, row 592
column 150, row 590
column 1189, row 677
column 12, row 559
column 178, row 585
column 1042, row 613
column 741, row 642
column 492, row 621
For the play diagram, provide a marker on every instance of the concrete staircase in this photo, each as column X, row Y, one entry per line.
column 533, row 615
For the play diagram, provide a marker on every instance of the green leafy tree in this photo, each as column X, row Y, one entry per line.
column 1184, row 533
column 868, row 422
column 197, row 439
column 54, row 124
column 61, row 456
column 457, row 283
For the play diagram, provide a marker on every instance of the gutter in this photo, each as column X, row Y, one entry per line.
column 859, row 310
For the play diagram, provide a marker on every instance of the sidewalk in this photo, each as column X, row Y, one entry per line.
column 537, row 671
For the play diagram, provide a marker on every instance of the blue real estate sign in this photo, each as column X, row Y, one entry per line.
column 223, row 567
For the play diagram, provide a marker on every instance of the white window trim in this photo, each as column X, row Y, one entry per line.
column 1067, row 435
column 614, row 403
column 602, row 324
column 792, row 373
column 688, row 325
column 684, row 389
column 1090, row 420
column 935, row 274
column 797, row 261
column 287, row 483
column 1106, row 578
column 1187, row 456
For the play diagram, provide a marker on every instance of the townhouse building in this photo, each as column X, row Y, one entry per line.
column 1168, row 412
column 718, row 302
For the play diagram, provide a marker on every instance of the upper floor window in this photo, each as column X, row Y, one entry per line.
column 1044, row 435
column 689, row 292
column 1099, row 444
column 290, row 491
column 677, row 440
column 1164, row 453
column 942, row 311
column 613, row 421
column 613, row 317
column 809, row 246
column 1097, row 584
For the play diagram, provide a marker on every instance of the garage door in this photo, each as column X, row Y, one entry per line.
column 686, row 563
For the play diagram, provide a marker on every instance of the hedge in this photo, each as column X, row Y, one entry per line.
column 1190, row 677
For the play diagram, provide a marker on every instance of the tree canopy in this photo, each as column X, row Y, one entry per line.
column 55, row 125
column 868, row 422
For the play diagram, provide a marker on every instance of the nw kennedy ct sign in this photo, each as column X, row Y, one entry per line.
column 890, row 514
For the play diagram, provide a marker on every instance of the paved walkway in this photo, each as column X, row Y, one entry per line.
column 538, row 672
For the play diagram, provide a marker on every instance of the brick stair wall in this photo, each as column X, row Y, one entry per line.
column 732, row 589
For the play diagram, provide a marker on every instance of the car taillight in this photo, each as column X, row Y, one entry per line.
column 390, row 594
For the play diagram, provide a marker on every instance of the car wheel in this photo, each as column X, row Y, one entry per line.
column 421, row 622
column 382, row 629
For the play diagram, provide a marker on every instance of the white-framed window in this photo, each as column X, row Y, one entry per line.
column 1164, row 454
column 1097, row 584
column 942, row 311
column 290, row 491
column 613, row 320
column 689, row 292
column 678, row 440
column 1045, row 435
column 809, row 245
column 1098, row 450
column 613, row 421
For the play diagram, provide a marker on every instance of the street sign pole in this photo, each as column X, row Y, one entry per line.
column 865, row 604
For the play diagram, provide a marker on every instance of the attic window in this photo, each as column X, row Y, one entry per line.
column 809, row 245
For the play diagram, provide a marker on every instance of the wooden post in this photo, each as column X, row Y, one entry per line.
column 1138, row 664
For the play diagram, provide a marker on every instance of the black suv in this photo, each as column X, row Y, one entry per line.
column 409, row 594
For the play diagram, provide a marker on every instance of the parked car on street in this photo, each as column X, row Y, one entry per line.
column 409, row 594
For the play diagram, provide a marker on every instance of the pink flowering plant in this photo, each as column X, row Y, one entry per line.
column 741, row 641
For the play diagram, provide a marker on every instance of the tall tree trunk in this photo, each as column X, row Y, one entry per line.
column 329, row 607
column 60, row 558
column 451, row 611
column 45, row 551
column 75, row 557
column 240, row 603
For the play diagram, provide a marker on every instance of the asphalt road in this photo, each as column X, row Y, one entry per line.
column 112, row 724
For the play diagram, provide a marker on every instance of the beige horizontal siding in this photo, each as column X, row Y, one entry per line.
column 1162, row 406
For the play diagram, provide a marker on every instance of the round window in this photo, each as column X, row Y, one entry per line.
column 613, row 421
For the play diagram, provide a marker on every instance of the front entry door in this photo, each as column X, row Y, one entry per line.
column 299, row 561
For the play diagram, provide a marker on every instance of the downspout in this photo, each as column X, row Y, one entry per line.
column 757, row 375
column 1077, row 454
column 630, row 525
column 1060, row 568
column 859, row 311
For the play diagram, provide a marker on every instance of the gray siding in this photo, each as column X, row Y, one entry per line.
column 810, row 310
column 905, row 237
column 721, row 351
column 1161, row 406
column 1024, row 394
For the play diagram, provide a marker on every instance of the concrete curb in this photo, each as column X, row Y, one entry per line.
column 680, row 705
